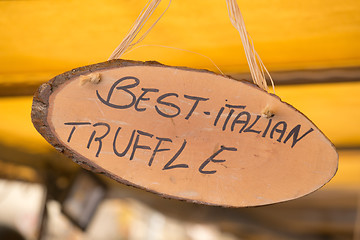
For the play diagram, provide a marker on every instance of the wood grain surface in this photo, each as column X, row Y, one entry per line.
column 184, row 133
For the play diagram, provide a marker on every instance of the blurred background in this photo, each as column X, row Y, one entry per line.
column 311, row 48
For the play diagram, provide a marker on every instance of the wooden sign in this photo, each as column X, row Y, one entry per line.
column 184, row 133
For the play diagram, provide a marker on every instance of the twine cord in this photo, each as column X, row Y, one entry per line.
column 139, row 23
column 257, row 68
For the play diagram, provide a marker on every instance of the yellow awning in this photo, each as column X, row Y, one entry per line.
column 40, row 39
column 55, row 36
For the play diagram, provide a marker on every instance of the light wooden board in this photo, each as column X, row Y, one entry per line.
column 184, row 133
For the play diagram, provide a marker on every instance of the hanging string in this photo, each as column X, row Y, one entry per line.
column 144, row 16
column 126, row 45
column 257, row 68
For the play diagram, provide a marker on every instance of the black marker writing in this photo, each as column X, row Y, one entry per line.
column 212, row 159
column 124, row 88
column 98, row 139
column 197, row 100
column 136, row 143
column 74, row 124
column 158, row 149
column 177, row 154
column 161, row 101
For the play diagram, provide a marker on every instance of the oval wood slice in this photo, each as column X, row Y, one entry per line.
column 184, row 133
